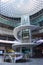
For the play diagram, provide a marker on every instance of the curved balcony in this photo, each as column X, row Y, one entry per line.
column 33, row 21
column 4, row 21
column 5, row 31
column 9, row 22
column 18, row 31
column 36, row 20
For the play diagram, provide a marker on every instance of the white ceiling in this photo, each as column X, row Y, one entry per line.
column 16, row 8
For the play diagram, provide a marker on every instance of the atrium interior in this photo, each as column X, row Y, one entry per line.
column 21, row 30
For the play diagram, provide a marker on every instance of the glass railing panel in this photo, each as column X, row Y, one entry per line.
column 37, row 20
column 17, row 24
column 9, row 22
column 4, row 21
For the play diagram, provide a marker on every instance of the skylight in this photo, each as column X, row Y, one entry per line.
column 19, row 7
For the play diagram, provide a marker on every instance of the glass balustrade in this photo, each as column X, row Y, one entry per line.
column 36, row 20
column 14, row 24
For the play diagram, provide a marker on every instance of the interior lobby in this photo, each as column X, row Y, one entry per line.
column 21, row 32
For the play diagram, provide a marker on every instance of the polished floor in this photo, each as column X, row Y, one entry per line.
column 38, row 61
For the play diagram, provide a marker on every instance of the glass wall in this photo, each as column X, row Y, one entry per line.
column 26, row 32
